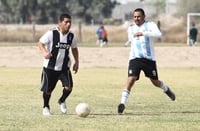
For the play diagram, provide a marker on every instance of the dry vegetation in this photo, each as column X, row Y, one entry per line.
column 174, row 31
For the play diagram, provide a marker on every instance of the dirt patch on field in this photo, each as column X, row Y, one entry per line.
column 102, row 57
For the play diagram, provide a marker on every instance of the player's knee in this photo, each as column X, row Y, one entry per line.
column 68, row 88
column 131, row 81
column 47, row 93
column 156, row 83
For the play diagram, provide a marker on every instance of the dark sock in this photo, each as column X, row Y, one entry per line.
column 46, row 98
column 64, row 95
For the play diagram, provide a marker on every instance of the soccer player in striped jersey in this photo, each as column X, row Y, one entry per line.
column 55, row 46
column 142, row 58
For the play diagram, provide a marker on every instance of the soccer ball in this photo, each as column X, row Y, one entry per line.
column 82, row 109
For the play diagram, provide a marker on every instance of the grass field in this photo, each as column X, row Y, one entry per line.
column 148, row 108
column 120, row 44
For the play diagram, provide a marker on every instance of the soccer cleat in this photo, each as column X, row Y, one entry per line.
column 170, row 94
column 121, row 108
column 46, row 111
column 63, row 107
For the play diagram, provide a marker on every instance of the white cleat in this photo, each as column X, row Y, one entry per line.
column 46, row 111
column 63, row 107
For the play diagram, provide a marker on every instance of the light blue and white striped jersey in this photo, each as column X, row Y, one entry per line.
column 142, row 46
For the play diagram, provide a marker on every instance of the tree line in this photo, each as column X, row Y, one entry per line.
column 47, row 11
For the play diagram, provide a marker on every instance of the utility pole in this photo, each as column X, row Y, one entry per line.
column 166, row 7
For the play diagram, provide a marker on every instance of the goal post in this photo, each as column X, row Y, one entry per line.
column 188, row 24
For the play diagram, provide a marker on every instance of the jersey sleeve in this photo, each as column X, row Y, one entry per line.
column 74, row 42
column 152, row 31
column 130, row 34
column 46, row 38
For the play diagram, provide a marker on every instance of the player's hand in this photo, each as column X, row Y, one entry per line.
column 75, row 67
column 138, row 34
column 47, row 55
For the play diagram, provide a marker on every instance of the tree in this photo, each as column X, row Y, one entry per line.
column 47, row 11
column 160, row 6
column 92, row 9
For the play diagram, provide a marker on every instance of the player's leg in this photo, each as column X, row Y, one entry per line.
column 102, row 42
column 48, row 83
column 67, row 82
column 191, row 42
column 194, row 43
column 165, row 88
column 106, row 42
column 133, row 75
column 125, row 93
column 150, row 71
column 98, row 40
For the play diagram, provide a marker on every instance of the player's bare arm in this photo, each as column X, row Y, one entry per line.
column 45, row 53
column 76, row 59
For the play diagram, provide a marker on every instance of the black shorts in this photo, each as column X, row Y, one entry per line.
column 147, row 66
column 105, row 39
column 50, row 78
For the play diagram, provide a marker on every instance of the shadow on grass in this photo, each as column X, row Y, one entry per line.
column 132, row 113
column 146, row 113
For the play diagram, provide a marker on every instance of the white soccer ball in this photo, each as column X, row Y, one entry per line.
column 83, row 109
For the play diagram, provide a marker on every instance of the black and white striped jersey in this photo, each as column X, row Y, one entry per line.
column 59, row 45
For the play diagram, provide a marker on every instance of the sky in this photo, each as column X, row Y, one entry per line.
column 125, row 1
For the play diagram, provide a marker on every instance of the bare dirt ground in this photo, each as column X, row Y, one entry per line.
column 102, row 57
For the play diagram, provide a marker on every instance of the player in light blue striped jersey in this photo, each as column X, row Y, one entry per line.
column 142, row 57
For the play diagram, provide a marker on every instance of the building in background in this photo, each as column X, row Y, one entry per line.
column 123, row 10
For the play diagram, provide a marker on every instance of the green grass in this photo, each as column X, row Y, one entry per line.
column 147, row 109
column 120, row 44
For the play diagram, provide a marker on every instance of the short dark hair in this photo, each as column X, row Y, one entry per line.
column 140, row 10
column 193, row 24
column 65, row 15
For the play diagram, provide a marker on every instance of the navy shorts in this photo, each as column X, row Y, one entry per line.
column 147, row 66
column 50, row 78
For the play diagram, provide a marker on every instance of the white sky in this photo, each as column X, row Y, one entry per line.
column 125, row 1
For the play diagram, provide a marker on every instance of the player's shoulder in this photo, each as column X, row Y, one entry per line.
column 53, row 29
column 150, row 22
column 132, row 25
column 71, row 34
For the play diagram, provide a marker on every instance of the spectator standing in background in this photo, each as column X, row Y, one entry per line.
column 193, row 35
column 104, row 37
column 159, row 27
column 99, row 33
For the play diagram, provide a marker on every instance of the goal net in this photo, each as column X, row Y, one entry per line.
column 189, row 16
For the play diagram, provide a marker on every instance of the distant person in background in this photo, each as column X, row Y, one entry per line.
column 99, row 33
column 104, row 37
column 159, row 27
column 158, row 24
column 193, row 35
column 142, row 58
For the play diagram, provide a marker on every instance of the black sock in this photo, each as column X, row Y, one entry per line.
column 64, row 95
column 46, row 98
